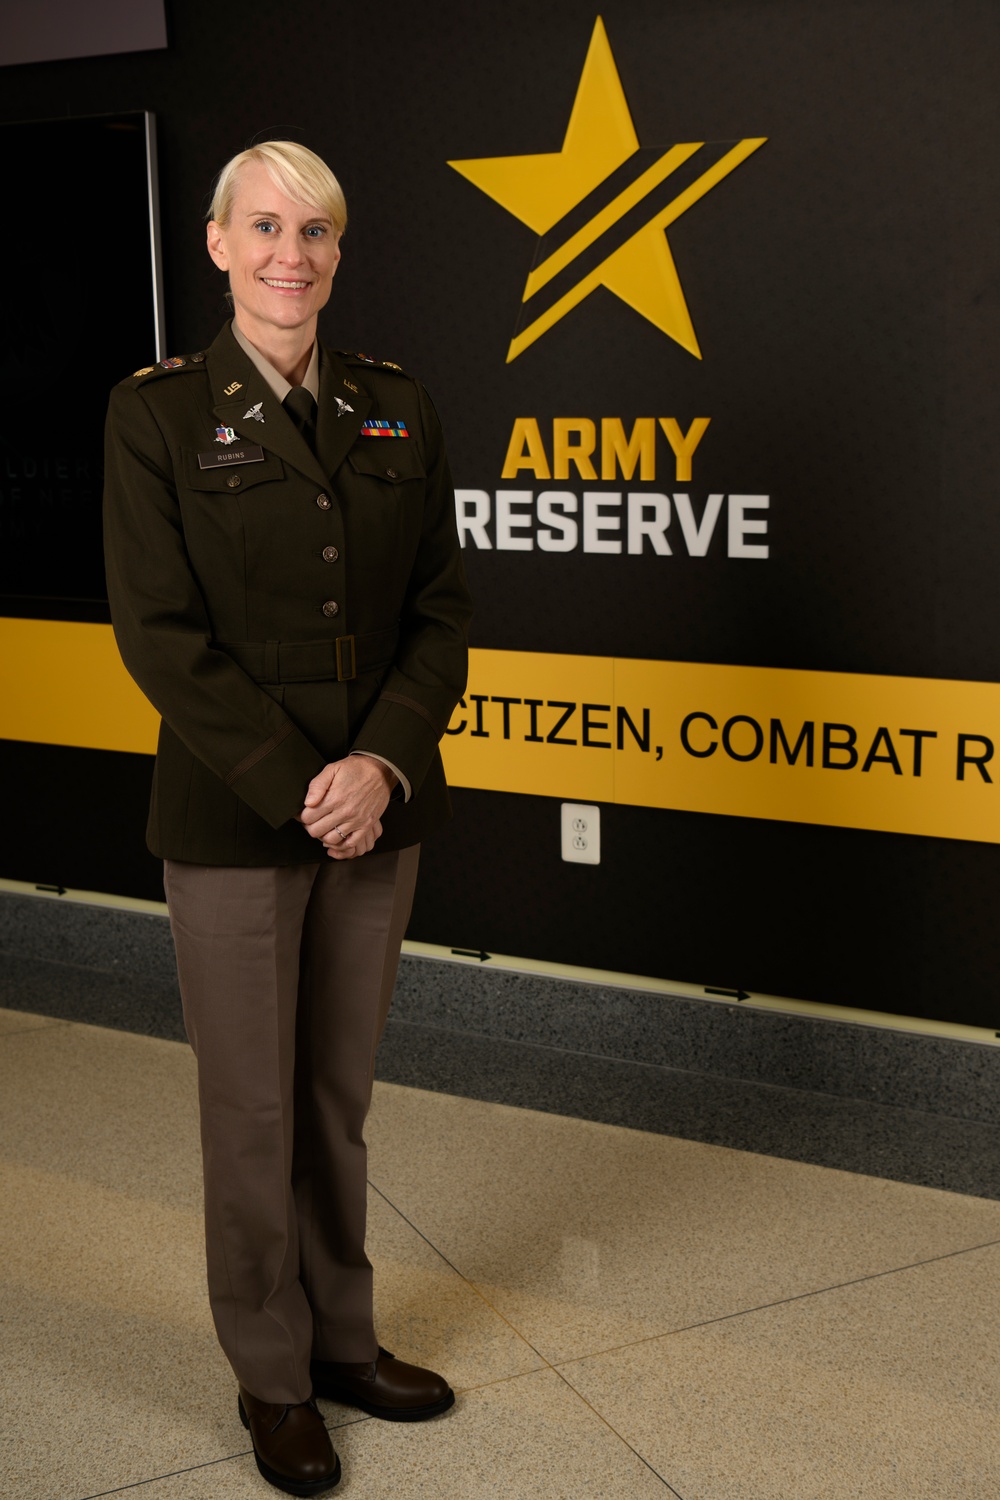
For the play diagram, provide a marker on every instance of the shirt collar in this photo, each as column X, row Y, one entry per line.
column 275, row 380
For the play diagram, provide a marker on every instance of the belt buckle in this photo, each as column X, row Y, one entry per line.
column 346, row 643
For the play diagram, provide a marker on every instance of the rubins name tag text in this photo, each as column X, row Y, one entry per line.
column 224, row 458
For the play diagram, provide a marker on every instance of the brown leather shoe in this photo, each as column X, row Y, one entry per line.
column 291, row 1445
column 384, row 1387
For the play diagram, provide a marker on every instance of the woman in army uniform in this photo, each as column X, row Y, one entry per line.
column 287, row 590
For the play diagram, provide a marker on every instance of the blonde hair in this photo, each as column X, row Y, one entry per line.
column 298, row 172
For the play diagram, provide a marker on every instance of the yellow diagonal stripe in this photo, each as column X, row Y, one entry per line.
column 665, row 217
column 708, row 180
column 602, row 221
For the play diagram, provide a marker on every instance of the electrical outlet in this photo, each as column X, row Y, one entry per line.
column 581, row 833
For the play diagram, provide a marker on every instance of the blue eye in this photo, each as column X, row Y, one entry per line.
column 265, row 226
column 316, row 231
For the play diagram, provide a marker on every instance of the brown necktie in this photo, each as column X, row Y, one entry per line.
column 301, row 407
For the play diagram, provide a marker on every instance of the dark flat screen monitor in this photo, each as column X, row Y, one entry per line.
column 83, row 309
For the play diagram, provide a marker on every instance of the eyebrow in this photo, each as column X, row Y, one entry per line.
column 267, row 213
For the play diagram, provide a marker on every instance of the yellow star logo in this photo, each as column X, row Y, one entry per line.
column 601, row 207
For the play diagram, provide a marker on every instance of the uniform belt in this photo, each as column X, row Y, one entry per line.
column 340, row 660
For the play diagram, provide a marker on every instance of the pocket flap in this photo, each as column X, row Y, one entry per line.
column 395, row 460
column 257, row 471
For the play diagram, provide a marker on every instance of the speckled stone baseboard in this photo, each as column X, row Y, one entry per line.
column 115, row 968
column 850, row 1135
column 105, row 938
column 933, row 1074
column 96, row 964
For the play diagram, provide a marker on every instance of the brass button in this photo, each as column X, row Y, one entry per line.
column 392, row 473
column 330, row 554
column 331, row 608
column 197, row 359
column 234, row 481
column 323, row 501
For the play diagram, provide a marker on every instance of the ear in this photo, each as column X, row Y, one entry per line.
column 217, row 245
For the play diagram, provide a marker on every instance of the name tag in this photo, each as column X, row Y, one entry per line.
column 222, row 458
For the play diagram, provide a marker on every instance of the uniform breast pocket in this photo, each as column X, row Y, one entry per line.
column 381, row 486
column 391, row 462
column 238, row 471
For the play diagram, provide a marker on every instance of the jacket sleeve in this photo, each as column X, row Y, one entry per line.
column 163, row 631
column 429, row 672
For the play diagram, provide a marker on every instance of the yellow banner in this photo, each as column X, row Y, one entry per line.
column 63, row 683
column 899, row 754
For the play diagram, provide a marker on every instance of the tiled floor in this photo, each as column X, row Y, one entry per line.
column 622, row 1313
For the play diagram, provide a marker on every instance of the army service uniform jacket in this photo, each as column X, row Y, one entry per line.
column 281, row 609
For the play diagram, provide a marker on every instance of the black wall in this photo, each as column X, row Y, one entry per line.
column 845, row 291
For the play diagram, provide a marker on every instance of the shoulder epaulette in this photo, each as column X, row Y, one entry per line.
column 168, row 366
column 369, row 359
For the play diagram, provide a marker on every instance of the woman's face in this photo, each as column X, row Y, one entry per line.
column 281, row 257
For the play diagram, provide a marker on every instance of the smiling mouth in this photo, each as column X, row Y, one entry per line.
column 285, row 286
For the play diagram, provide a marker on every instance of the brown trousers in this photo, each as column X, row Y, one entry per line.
column 286, row 977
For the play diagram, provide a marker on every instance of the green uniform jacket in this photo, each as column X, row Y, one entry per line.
column 281, row 611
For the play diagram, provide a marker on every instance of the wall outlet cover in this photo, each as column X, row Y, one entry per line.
column 581, row 833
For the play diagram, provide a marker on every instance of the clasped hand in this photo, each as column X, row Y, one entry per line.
column 345, row 803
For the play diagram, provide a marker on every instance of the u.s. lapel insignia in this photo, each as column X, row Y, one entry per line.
column 342, row 406
column 230, row 390
column 254, row 414
column 225, row 435
column 350, row 385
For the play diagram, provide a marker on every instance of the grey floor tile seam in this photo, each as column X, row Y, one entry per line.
column 210, row 1463
column 228, row 1458
column 668, row 1071
column 48, row 1023
column 547, row 1368
column 544, row 1365
column 138, row 1484
column 744, row 1312
column 749, row 1312
column 614, row 1431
